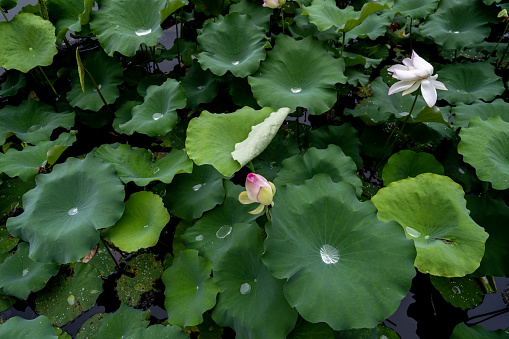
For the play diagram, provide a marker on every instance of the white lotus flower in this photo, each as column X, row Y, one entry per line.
column 413, row 73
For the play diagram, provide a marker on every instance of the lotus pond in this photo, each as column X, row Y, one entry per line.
column 281, row 169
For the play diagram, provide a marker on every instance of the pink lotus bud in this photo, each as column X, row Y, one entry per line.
column 258, row 189
column 273, row 3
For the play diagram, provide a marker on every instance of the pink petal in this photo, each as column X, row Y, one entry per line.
column 421, row 64
column 429, row 92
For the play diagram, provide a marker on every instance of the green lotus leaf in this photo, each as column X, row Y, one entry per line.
column 485, row 146
column 27, row 41
column 149, row 80
column 16, row 327
column 189, row 289
column 172, row 6
column 233, row 43
column 467, row 82
column 459, row 23
column 201, row 86
column 158, row 113
column 32, row 121
column 107, row 74
column 260, row 14
column 462, row 331
column 123, row 114
column 68, row 295
column 326, row 14
column 102, row 261
column 260, row 137
column 123, row 25
column 223, row 132
column 159, row 331
column 306, row 330
column 290, row 78
column 463, row 292
column 63, row 213
column 65, row 15
column 344, row 136
column 20, row 275
column 407, row 164
column 331, row 161
column 123, row 323
column 416, row 9
column 25, row 163
column 136, row 164
column 141, row 224
column 189, row 195
column 489, row 213
column 247, row 288
column 463, row 113
column 211, row 233
column 90, row 326
column 11, row 192
column 381, row 107
column 431, row 208
column 14, row 82
column 8, row 4
column 372, row 27
column 145, row 270
column 7, row 243
column 322, row 236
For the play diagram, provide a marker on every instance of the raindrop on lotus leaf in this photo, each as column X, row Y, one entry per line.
column 296, row 89
column 412, row 232
column 25, row 271
column 34, row 128
column 156, row 169
column 143, row 31
column 197, row 187
column 199, row 237
column 329, row 254
column 157, row 116
column 235, row 63
column 73, row 211
column 245, row 288
column 456, row 290
column 70, row 300
column 223, row 231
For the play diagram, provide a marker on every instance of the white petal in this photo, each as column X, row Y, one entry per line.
column 412, row 88
column 408, row 62
column 429, row 92
column 397, row 68
column 400, row 86
column 422, row 64
column 438, row 84
column 407, row 75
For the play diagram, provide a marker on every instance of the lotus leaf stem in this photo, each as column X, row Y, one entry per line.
column 499, row 63
column 283, row 20
column 251, row 165
column 47, row 79
column 179, row 58
column 500, row 40
column 343, row 45
column 44, row 9
column 5, row 16
column 97, row 89
column 493, row 315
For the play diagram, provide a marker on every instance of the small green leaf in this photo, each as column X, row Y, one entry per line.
column 406, row 164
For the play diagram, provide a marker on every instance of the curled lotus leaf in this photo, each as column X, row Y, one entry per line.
column 233, row 43
column 485, row 146
column 158, row 113
column 63, row 213
column 17, row 327
column 32, row 121
column 123, row 25
column 189, row 289
column 335, row 254
column 290, row 78
column 19, row 275
column 27, row 41
column 66, row 15
column 431, row 208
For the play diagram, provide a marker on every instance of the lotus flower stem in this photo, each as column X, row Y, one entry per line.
column 179, row 59
column 499, row 63
column 44, row 9
column 98, row 90
column 47, row 79
column 500, row 40
column 251, row 165
column 283, row 20
column 267, row 213
column 5, row 16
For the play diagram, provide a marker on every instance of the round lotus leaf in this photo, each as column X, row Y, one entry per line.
column 107, row 74
column 492, row 214
column 467, row 82
column 136, row 164
column 201, row 86
column 14, row 82
column 145, row 270
column 407, row 164
column 189, row 289
column 189, row 195
column 27, row 41
column 16, row 327
column 64, row 211
column 122, row 323
column 463, row 113
column 485, row 146
column 123, row 25
column 212, row 231
column 70, row 293
column 459, row 23
column 290, row 78
column 32, row 121
column 141, row 224
column 25, row 163
column 11, row 192
column 223, row 132
column 464, row 292
column 259, row 14
column 159, row 331
column 416, row 9
column 462, row 331
column 247, row 288
column 233, row 43
column 331, row 161
column 19, row 275
column 431, row 209
column 336, row 255
column 158, row 113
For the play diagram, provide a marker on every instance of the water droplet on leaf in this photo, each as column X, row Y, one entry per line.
column 223, row 231
column 199, row 238
column 73, row 211
column 157, row 116
column 296, row 89
column 412, row 232
column 34, row 128
column 197, row 187
column 156, row 169
column 143, row 31
column 70, row 300
column 25, row 271
column 329, row 254
column 456, row 290
column 235, row 63
column 245, row 288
